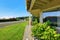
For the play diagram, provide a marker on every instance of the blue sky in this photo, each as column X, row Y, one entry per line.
column 12, row 8
column 17, row 8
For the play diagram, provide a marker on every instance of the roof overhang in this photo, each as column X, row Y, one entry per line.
column 36, row 7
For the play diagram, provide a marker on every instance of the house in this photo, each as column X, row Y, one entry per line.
column 38, row 7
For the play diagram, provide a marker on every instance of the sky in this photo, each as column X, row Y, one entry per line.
column 13, row 8
column 17, row 8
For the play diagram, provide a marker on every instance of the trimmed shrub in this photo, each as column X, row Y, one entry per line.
column 45, row 32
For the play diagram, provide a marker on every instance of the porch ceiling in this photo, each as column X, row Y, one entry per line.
column 37, row 6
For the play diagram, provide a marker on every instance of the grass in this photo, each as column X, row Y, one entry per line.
column 13, row 32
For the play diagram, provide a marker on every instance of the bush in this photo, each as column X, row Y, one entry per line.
column 34, row 22
column 17, row 19
column 45, row 32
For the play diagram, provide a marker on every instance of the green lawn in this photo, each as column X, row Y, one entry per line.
column 13, row 32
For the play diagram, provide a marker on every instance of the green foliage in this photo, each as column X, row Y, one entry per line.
column 45, row 32
column 17, row 19
column 13, row 32
column 34, row 22
column 27, row 19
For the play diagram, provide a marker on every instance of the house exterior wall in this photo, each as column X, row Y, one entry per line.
column 53, row 19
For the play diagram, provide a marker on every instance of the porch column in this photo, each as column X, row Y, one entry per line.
column 41, row 18
column 30, row 20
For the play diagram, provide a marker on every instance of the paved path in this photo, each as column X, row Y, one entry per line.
column 27, row 34
column 3, row 24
